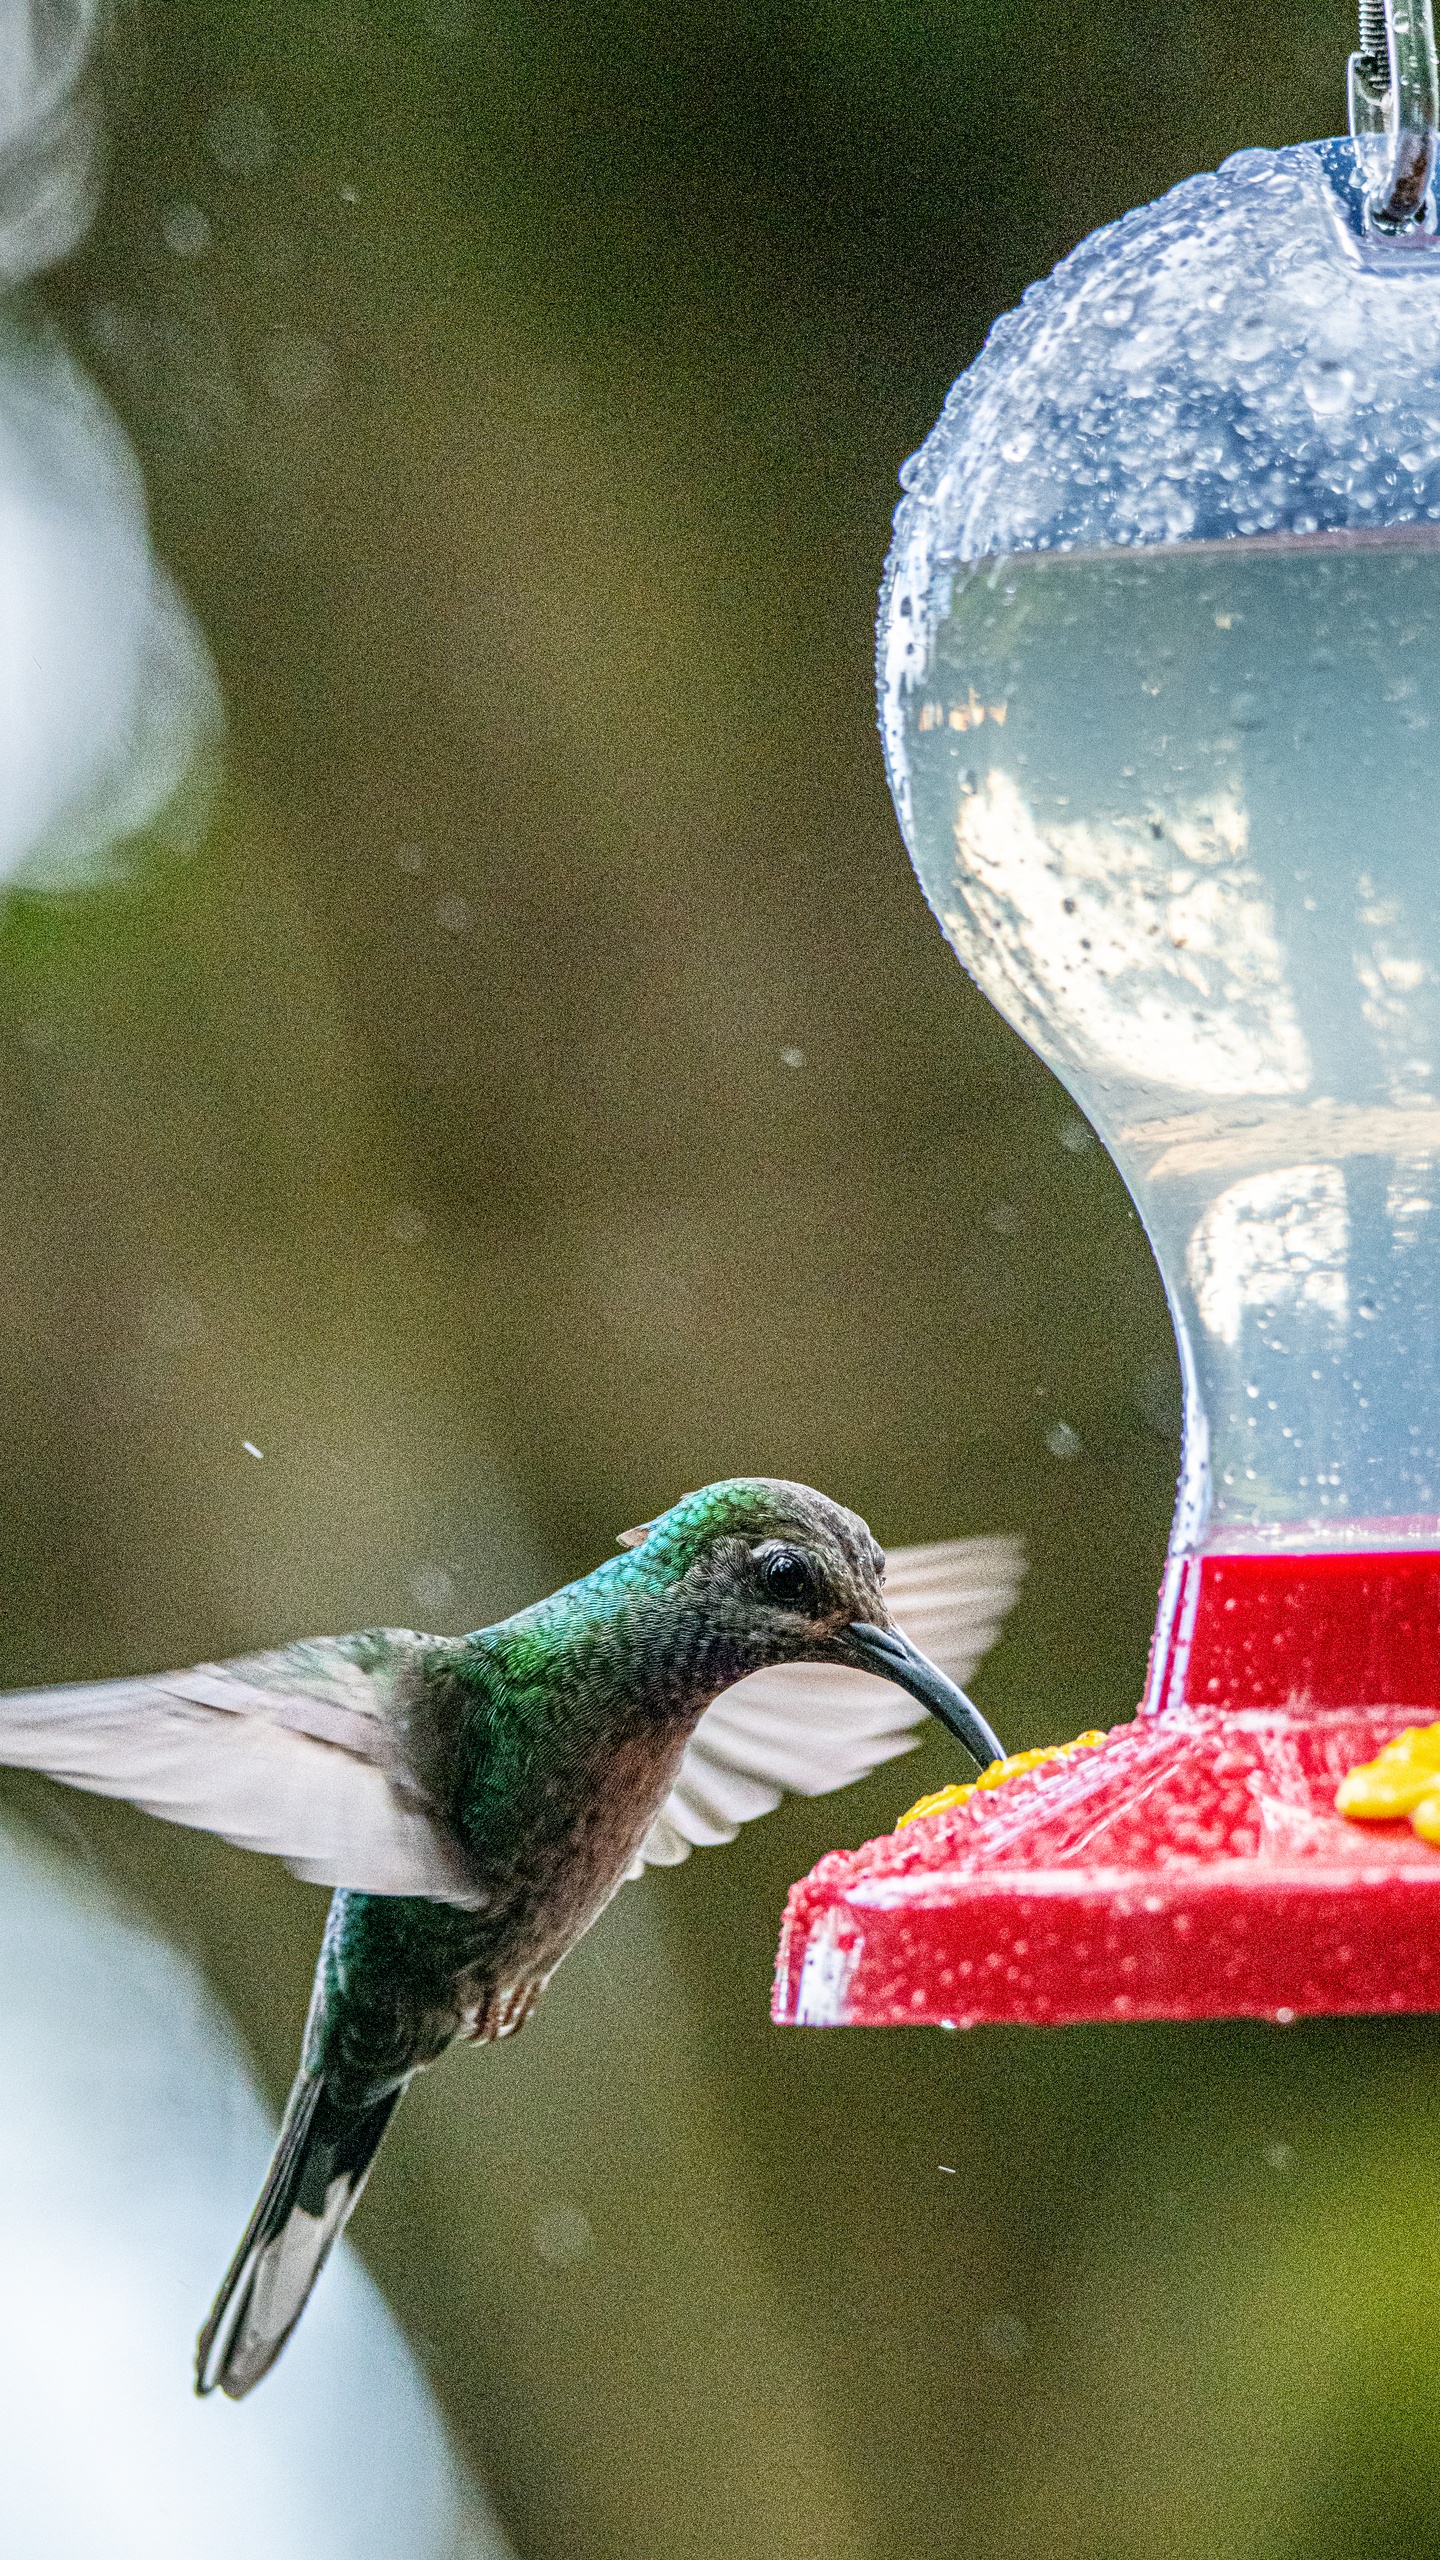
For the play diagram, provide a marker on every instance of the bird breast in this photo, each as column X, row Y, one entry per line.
column 568, row 1841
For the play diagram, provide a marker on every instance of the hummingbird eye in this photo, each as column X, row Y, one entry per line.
column 788, row 1576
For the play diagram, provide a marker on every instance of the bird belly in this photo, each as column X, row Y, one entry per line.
column 565, row 1853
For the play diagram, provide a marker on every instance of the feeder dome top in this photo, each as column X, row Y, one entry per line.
column 1239, row 358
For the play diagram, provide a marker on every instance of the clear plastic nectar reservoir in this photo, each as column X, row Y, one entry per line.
column 1176, row 809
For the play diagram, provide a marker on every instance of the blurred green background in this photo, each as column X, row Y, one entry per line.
column 521, row 418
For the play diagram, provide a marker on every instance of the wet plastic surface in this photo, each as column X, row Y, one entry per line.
column 1193, row 1866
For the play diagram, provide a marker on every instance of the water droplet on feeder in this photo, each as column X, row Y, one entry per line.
column 1329, row 386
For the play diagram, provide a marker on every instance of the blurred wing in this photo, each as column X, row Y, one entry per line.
column 286, row 1752
column 806, row 1728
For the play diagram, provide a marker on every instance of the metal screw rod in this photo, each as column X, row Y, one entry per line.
column 1394, row 92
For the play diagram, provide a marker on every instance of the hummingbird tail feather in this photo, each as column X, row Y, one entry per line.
column 321, row 2162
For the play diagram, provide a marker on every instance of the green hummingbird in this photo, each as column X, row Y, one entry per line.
column 478, row 1800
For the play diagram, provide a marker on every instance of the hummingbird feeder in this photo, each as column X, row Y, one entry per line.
column 1159, row 659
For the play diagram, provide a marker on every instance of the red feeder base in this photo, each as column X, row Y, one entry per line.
column 1192, row 1866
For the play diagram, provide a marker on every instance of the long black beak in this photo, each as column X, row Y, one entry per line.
column 885, row 1650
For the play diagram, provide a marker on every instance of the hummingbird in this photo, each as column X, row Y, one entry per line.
column 478, row 1800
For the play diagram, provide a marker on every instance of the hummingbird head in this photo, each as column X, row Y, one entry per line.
column 763, row 1571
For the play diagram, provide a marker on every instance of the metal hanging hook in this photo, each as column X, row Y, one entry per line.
column 1394, row 95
